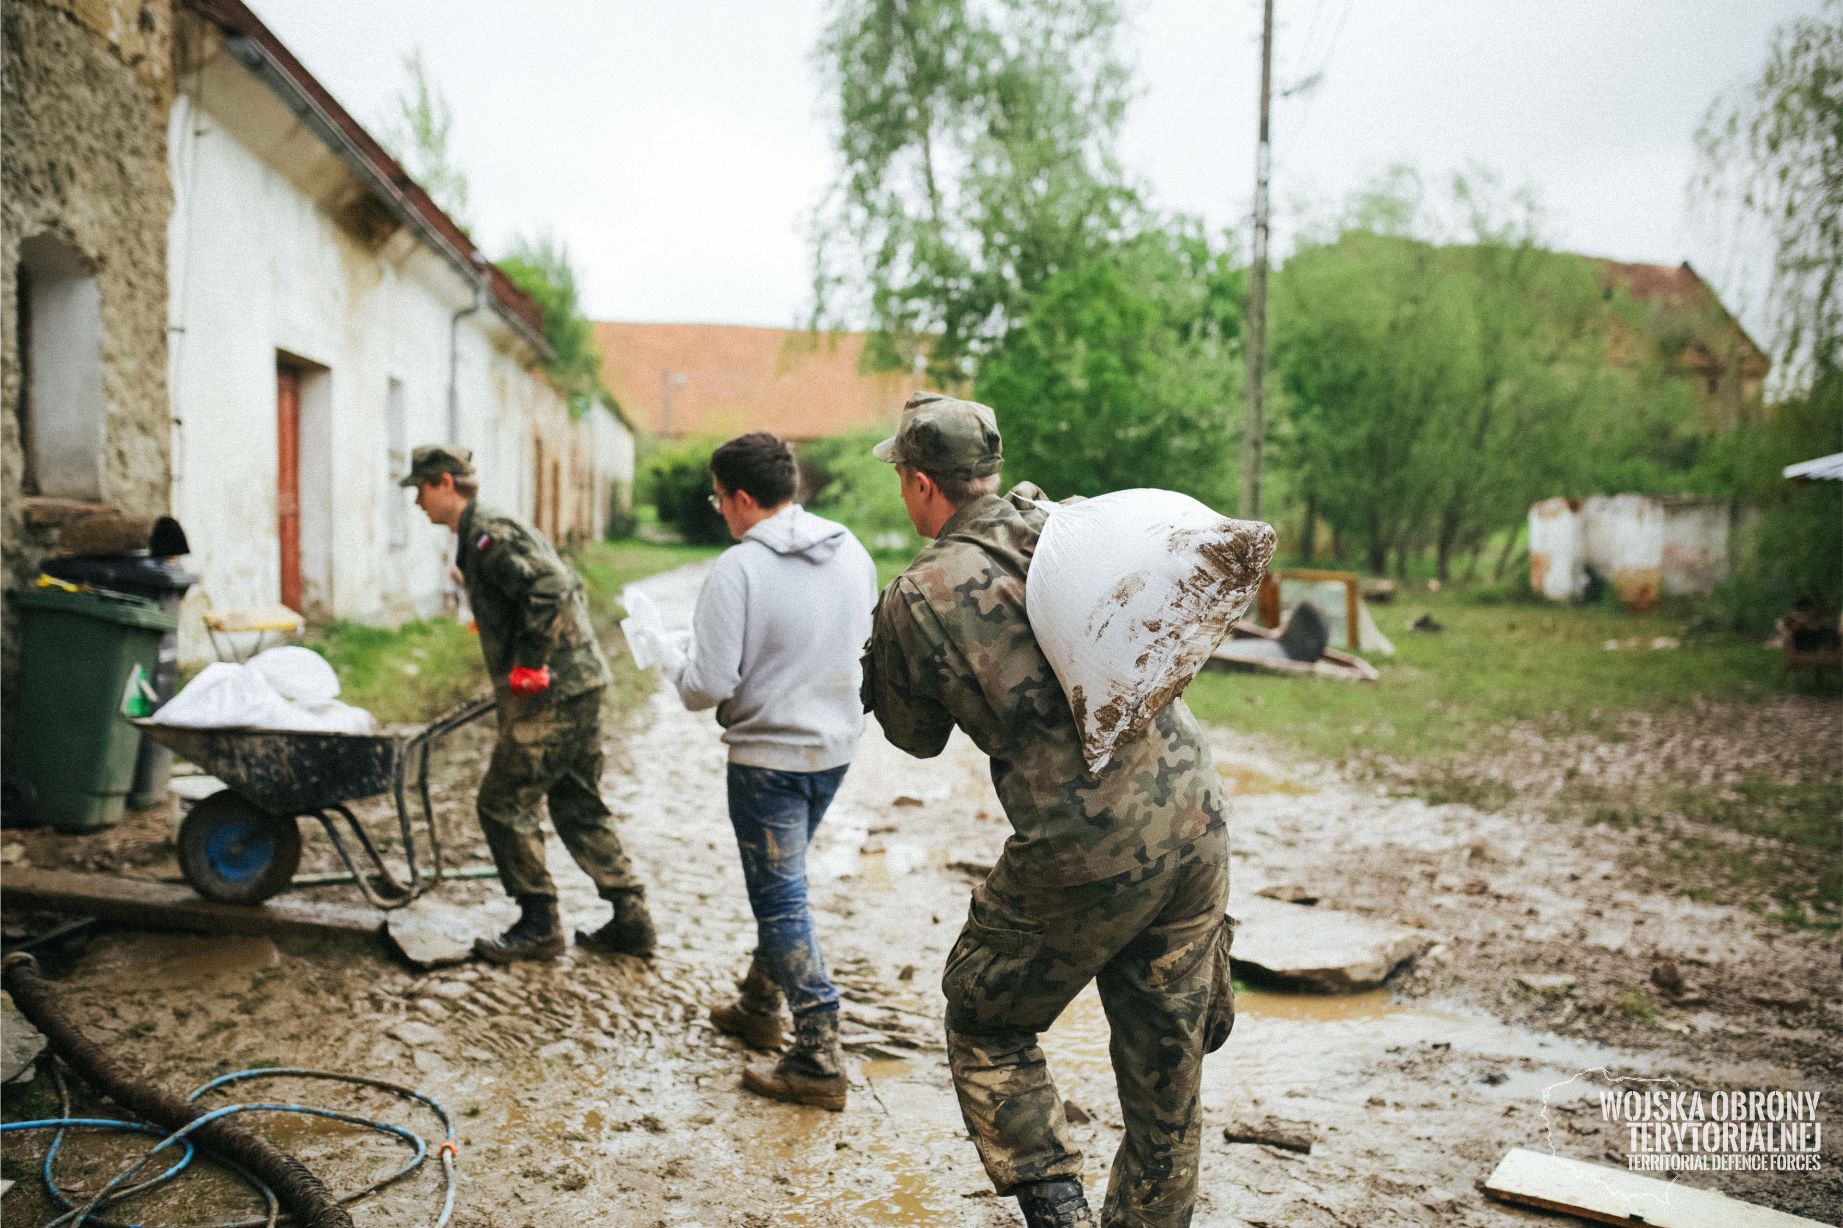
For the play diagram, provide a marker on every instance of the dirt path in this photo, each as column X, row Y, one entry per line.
column 593, row 1090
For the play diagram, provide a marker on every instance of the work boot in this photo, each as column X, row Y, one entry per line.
column 1054, row 1204
column 537, row 934
column 809, row 1072
column 755, row 1016
column 629, row 931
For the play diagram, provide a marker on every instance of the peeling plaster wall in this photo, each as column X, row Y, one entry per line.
column 83, row 104
column 264, row 267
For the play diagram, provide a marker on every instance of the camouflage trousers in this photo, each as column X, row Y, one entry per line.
column 553, row 752
column 1150, row 939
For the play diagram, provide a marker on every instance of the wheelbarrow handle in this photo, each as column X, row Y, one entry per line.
column 417, row 750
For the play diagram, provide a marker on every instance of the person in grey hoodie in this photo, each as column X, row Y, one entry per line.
column 775, row 641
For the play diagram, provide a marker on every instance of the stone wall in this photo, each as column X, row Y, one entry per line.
column 84, row 194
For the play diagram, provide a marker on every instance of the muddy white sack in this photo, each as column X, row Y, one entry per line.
column 1128, row 594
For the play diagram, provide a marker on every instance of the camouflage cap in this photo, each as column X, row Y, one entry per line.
column 945, row 435
column 431, row 460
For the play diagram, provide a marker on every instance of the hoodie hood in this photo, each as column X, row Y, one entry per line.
column 795, row 531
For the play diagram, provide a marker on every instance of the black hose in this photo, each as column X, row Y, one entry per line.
column 300, row 1192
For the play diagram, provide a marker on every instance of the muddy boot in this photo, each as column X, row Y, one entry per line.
column 537, row 934
column 755, row 1016
column 1054, row 1204
column 629, row 931
column 808, row 1073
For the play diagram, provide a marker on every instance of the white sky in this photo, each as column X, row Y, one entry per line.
column 677, row 147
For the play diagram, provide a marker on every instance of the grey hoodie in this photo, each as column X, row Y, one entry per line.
column 775, row 641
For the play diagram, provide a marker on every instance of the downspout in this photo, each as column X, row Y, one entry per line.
column 454, row 358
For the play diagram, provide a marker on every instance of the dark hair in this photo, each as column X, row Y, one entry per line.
column 759, row 463
column 961, row 491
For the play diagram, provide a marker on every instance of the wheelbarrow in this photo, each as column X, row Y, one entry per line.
column 242, row 844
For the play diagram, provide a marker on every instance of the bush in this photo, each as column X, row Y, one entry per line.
column 675, row 479
column 1794, row 550
column 840, row 479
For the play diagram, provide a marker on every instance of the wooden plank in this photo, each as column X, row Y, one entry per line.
column 170, row 906
column 1614, row 1196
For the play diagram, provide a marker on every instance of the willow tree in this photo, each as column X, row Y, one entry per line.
column 976, row 145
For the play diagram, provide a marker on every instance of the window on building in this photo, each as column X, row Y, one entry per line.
column 397, row 436
column 62, row 412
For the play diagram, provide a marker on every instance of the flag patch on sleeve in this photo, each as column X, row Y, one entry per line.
column 486, row 540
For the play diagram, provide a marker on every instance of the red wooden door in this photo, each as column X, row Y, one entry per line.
column 288, row 481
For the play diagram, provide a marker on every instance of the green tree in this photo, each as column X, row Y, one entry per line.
column 418, row 135
column 541, row 267
column 976, row 146
column 1433, row 389
column 1125, row 370
column 1778, row 148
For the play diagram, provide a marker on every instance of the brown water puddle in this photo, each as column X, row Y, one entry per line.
column 184, row 961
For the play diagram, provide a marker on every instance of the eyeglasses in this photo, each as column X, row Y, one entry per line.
column 715, row 501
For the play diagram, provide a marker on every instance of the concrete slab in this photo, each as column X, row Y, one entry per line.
column 430, row 934
column 1319, row 950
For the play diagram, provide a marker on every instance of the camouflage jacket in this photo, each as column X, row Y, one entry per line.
column 951, row 645
column 530, row 607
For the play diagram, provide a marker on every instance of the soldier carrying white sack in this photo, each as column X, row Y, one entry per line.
column 1118, row 876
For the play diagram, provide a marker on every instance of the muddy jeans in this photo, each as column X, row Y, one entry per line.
column 554, row 753
column 775, row 815
column 1149, row 938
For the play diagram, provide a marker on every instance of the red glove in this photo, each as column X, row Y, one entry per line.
column 529, row 681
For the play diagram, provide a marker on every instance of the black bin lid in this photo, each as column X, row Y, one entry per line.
column 122, row 571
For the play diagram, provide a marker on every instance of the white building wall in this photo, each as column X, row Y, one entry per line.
column 261, row 269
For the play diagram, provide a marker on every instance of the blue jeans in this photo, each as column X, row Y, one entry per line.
column 775, row 815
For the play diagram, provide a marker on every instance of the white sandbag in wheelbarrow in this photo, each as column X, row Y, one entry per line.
column 1129, row 593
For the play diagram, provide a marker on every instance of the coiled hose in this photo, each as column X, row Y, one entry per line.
column 284, row 1183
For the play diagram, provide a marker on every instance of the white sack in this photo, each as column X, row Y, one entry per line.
column 300, row 674
column 227, row 696
column 1128, row 594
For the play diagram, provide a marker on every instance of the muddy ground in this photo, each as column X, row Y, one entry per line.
column 593, row 1090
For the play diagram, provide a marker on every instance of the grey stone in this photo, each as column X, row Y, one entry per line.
column 432, row 935
column 1319, row 950
column 415, row 1033
column 20, row 1042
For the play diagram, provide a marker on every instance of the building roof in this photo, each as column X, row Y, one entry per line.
column 1822, row 469
column 1681, row 286
column 257, row 46
column 723, row 379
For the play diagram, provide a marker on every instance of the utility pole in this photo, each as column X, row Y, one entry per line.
column 1256, row 340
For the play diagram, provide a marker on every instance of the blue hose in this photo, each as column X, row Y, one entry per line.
column 113, row 1193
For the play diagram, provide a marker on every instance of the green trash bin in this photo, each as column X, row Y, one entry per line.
column 82, row 656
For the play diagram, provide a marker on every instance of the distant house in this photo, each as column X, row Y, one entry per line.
column 1688, row 322
column 232, row 304
column 681, row 381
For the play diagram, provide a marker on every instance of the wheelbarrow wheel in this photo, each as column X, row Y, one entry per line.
column 233, row 851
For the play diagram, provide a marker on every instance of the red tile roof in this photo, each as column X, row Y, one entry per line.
column 1682, row 286
column 727, row 378
column 236, row 20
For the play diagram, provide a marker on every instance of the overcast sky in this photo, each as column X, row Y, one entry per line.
column 677, row 147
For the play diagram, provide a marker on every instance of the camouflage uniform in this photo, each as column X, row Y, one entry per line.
column 532, row 611
column 1120, row 877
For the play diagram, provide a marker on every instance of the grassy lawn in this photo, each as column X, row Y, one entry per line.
column 1491, row 665
column 1455, row 707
